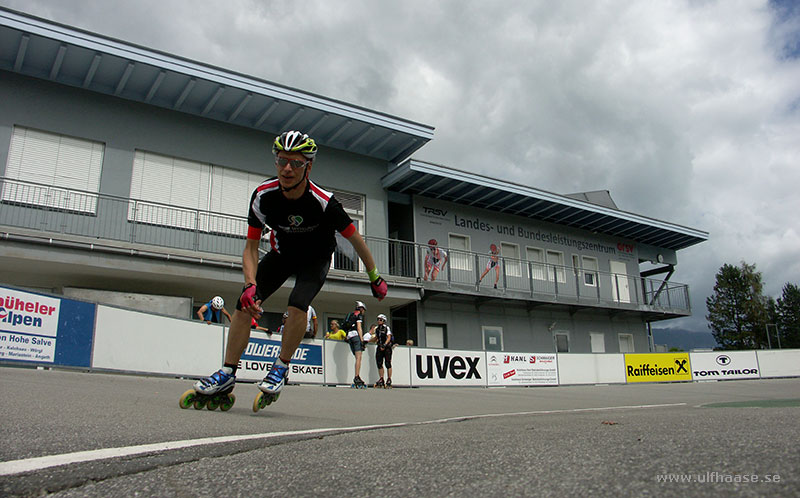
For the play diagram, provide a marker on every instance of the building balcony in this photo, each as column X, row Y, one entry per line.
column 34, row 213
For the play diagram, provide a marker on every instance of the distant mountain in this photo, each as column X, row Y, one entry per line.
column 683, row 339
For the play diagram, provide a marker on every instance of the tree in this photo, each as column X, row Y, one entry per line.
column 737, row 310
column 788, row 316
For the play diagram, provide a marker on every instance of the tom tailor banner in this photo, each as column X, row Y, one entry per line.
column 717, row 365
column 521, row 369
column 306, row 364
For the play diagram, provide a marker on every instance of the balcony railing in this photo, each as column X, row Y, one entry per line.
column 108, row 218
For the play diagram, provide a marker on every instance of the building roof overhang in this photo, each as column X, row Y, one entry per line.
column 55, row 52
column 415, row 177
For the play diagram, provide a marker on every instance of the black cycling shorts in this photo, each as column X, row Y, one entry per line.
column 384, row 354
column 274, row 269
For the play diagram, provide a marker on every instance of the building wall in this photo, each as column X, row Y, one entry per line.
column 528, row 330
column 125, row 126
column 437, row 219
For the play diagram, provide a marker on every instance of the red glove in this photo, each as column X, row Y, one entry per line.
column 379, row 288
column 248, row 297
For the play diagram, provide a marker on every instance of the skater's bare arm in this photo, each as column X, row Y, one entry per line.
column 250, row 261
column 200, row 312
column 362, row 250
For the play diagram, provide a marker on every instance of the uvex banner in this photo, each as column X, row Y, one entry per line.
column 657, row 367
column 438, row 367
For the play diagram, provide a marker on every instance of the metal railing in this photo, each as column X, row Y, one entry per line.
column 108, row 218
column 525, row 279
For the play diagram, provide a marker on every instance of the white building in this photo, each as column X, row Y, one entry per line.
column 128, row 170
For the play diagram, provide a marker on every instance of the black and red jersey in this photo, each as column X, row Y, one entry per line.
column 304, row 226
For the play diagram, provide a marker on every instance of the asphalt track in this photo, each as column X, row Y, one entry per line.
column 67, row 433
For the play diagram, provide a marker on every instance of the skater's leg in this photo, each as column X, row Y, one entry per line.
column 238, row 336
column 358, row 363
column 293, row 332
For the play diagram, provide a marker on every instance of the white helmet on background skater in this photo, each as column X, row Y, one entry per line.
column 217, row 303
column 359, row 304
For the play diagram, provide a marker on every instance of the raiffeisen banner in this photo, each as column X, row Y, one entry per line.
column 657, row 367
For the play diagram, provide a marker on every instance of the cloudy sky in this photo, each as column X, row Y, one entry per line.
column 687, row 111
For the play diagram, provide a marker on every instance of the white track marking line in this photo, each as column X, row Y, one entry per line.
column 39, row 463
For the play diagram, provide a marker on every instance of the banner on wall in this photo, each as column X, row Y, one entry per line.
column 657, row 367
column 716, row 365
column 260, row 354
column 521, row 369
column 36, row 328
column 438, row 367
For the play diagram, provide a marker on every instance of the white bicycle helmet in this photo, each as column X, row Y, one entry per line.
column 217, row 303
column 359, row 304
column 382, row 317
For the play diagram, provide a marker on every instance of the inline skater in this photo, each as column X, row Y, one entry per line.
column 353, row 324
column 383, row 353
column 303, row 218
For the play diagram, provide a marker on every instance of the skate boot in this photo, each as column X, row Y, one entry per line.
column 358, row 383
column 272, row 385
column 388, row 384
column 379, row 384
column 211, row 392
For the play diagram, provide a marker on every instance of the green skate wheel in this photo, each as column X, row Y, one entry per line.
column 200, row 403
column 257, row 402
column 213, row 404
column 187, row 399
column 227, row 403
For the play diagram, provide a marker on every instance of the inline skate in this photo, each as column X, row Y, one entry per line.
column 211, row 392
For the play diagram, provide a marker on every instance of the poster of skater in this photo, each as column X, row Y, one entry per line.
column 522, row 369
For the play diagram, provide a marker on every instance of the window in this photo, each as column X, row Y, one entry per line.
column 536, row 258
column 562, row 342
column 598, row 342
column 586, row 267
column 435, row 335
column 459, row 257
column 189, row 194
column 555, row 265
column 510, row 253
column 492, row 338
column 344, row 256
column 62, row 165
column 229, row 195
column 589, row 271
column 626, row 343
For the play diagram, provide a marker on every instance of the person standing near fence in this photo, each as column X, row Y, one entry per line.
column 303, row 219
column 311, row 323
column 212, row 311
column 383, row 352
column 354, row 325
